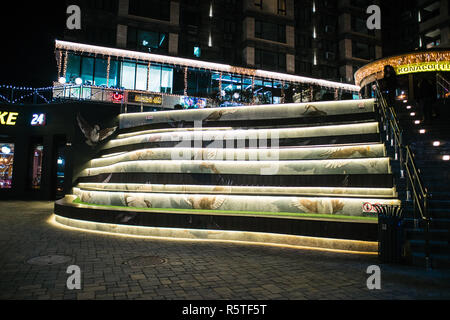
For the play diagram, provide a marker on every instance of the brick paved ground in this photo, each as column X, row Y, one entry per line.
column 193, row 271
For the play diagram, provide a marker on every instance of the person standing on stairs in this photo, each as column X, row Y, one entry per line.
column 389, row 84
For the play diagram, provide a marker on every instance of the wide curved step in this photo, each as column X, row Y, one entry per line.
column 263, row 112
column 233, row 203
column 241, row 190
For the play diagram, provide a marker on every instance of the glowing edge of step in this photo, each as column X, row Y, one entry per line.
column 214, row 236
column 240, row 190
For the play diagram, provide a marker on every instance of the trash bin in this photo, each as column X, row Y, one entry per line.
column 390, row 233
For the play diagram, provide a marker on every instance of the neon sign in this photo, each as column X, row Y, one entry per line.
column 423, row 67
column 118, row 97
column 38, row 120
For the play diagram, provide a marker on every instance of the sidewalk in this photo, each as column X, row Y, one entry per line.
column 187, row 270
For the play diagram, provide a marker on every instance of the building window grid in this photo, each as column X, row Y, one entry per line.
column 116, row 79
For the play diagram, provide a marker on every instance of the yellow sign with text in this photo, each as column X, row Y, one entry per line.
column 8, row 118
column 423, row 67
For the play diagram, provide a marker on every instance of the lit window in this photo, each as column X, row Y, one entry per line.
column 141, row 77
column 6, row 165
column 128, row 75
column 36, row 166
column 197, row 52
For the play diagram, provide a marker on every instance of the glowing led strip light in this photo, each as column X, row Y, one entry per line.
column 77, row 47
column 311, row 153
column 322, row 131
column 193, row 189
column 301, row 167
column 202, row 236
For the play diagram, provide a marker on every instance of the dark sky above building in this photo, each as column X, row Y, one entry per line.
column 29, row 29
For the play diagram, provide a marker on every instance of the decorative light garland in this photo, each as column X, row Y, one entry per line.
column 66, row 54
column 59, row 63
column 108, row 71
column 186, row 81
column 90, row 49
column 253, row 89
column 148, row 75
column 376, row 68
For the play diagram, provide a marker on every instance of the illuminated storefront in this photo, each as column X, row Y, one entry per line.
column 6, row 165
column 42, row 147
column 410, row 68
column 97, row 73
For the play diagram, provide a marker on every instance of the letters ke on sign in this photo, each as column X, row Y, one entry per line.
column 8, row 118
column 145, row 98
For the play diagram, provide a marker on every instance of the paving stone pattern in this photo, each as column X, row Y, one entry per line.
column 193, row 271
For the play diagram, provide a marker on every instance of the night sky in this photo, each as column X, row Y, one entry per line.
column 29, row 30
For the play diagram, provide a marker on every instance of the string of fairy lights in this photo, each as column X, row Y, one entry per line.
column 24, row 93
column 19, row 93
column 376, row 68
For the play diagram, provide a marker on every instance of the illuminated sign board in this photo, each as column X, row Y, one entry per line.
column 8, row 118
column 117, row 97
column 423, row 67
column 193, row 103
column 39, row 119
column 145, row 98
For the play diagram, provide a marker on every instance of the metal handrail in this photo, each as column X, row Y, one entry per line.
column 442, row 78
column 419, row 191
column 442, row 84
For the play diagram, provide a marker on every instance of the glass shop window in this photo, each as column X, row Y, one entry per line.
column 113, row 74
column 6, row 165
column 128, row 75
column 36, row 166
column 73, row 67
column 101, row 67
column 167, row 80
column 141, row 77
column 155, row 79
column 87, row 70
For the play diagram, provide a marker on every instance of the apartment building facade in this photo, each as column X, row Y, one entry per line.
column 317, row 38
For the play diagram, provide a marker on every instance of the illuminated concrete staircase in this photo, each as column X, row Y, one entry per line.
column 435, row 174
column 299, row 169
